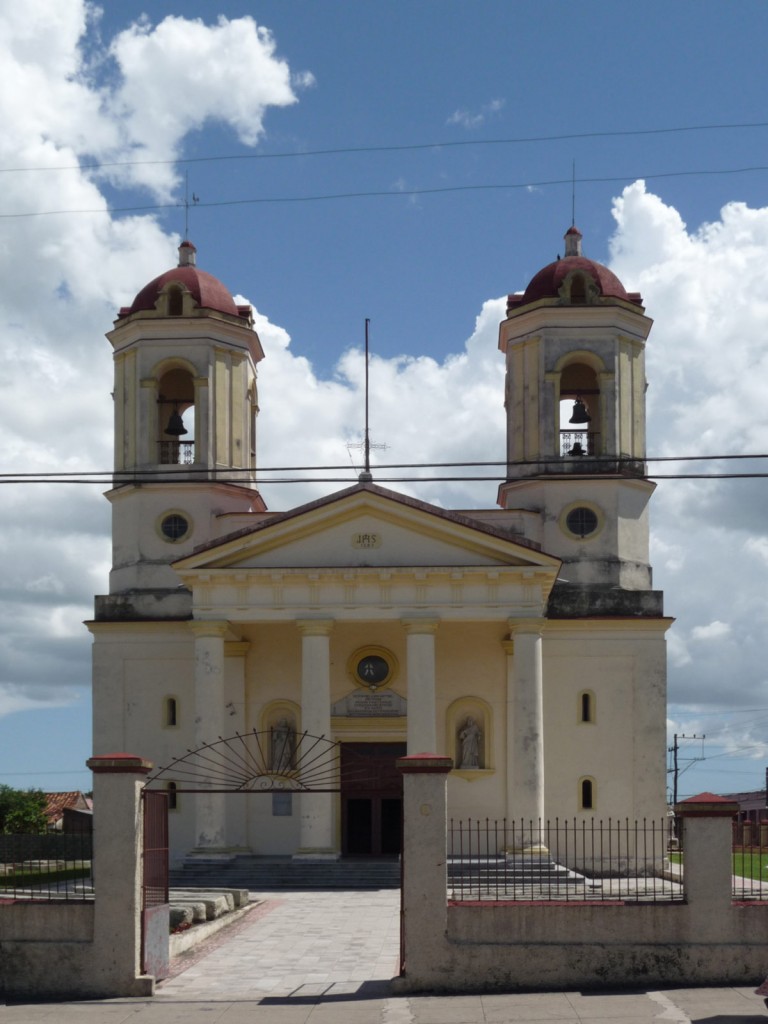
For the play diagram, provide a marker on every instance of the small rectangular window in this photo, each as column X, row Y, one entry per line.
column 587, row 795
column 586, row 708
column 282, row 805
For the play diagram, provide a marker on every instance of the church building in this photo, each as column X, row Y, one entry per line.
column 242, row 648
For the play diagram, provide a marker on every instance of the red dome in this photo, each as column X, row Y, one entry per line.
column 207, row 291
column 546, row 284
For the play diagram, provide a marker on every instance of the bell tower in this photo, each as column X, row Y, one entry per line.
column 576, row 480
column 185, row 395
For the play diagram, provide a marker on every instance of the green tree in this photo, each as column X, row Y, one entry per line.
column 22, row 810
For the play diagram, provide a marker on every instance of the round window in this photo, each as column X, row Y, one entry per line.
column 372, row 666
column 581, row 521
column 372, row 670
column 174, row 526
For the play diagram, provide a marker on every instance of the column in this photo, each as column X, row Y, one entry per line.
column 525, row 730
column 317, row 837
column 210, row 815
column 420, row 671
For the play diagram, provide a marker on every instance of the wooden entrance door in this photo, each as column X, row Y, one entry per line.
column 372, row 808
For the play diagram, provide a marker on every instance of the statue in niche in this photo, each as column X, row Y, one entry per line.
column 470, row 738
column 283, row 741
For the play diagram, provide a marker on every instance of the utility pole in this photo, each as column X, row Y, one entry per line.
column 673, row 750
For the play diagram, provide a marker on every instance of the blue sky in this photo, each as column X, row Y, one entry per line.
column 433, row 102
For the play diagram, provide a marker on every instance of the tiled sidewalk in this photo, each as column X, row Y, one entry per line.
column 296, row 945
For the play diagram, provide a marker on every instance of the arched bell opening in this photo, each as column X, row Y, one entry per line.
column 579, row 412
column 176, row 418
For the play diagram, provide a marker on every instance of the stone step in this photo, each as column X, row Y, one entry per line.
column 265, row 873
column 500, row 873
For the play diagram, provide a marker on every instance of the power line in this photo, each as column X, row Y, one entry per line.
column 161, row 475
column 391, row 194
column 96, row 165
column 224, row 476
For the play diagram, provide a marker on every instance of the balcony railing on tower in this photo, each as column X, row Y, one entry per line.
column 576, row 444
column 177, row 453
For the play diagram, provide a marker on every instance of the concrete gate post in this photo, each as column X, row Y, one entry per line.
column 115, row 968
column 425, row 880
column 707, row 852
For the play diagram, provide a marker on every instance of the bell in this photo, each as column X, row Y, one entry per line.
column 580, row 414
column 176, row 425
column 576, row 450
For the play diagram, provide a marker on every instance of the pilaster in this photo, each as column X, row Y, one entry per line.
column 210, row 808
column 526, row 727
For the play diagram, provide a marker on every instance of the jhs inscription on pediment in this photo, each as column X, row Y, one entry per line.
column 366, row 540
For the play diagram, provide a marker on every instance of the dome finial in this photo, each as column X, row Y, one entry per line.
column 573, row 241
column 187, row 254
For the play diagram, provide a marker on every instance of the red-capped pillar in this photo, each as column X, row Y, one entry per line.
column 707, row 850
column 425, row 881
column 118, row 780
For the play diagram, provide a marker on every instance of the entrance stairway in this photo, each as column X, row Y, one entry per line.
column 516, row 877
column 268, row 873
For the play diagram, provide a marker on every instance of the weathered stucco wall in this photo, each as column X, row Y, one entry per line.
column 44, row 947
column 547, row 947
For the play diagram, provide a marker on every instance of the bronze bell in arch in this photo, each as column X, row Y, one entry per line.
column 176, row 426
column 579, row 414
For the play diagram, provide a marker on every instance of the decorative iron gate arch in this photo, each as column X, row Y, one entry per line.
column 269, row 761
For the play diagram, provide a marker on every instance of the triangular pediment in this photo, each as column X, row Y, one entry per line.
column 366, row 527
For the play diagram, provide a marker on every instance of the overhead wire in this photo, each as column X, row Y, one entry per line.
column 396, row 148
column 93, row 166
column 182, row 474
column 388, row 193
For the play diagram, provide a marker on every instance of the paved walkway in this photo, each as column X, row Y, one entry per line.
column 326, row 958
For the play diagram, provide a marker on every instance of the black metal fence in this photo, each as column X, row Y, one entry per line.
column 750, row 860
column 52, row 866
column 585, row 861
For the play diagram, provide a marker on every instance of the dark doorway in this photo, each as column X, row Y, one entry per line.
column 372, row 808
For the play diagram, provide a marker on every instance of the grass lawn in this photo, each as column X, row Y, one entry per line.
column 751, row 865
column 40, row 876
column 745, row 864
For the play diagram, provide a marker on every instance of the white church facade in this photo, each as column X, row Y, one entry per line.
column 525, row 641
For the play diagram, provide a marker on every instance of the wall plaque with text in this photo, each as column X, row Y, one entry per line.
column 361, row 704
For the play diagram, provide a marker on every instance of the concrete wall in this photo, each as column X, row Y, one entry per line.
column 542, row 947
column 87, row 950
column 707, row 940
column 45, row 949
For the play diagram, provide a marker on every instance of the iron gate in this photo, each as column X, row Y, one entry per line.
column 269, row 761
column 155, row 909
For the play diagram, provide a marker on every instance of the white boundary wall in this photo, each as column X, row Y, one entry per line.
column 707, row 940
column 88, row 950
